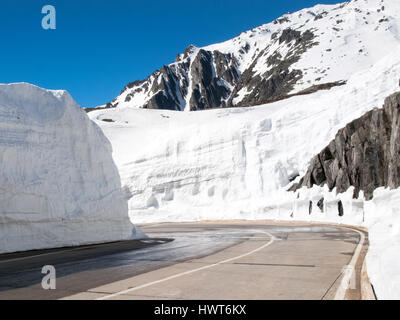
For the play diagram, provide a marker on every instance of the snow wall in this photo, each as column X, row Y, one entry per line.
column 59, row 185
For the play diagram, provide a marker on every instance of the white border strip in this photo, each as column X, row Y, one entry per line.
column 348, row 272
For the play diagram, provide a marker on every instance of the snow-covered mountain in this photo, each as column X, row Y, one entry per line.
column 59, row 185
column 180, row 164
column 298, row 53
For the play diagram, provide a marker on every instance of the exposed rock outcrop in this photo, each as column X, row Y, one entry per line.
column 198, row 80
column 365, row 154
column 280, row 77
column 212, row 74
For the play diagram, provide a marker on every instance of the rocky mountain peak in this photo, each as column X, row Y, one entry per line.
column 297, row 53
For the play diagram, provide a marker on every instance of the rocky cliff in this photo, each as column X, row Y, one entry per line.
column 365, row 154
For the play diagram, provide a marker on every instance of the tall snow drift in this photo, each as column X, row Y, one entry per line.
column 58, row 182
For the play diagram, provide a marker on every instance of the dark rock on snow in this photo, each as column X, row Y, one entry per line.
column 320, row 204
column 365, row 154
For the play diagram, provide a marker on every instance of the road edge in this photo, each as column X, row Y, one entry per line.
column 367, row 290
column 366, row 287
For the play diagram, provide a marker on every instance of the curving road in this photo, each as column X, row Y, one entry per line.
column 224, row 260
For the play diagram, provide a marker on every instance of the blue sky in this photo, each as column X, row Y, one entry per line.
column 99, row 46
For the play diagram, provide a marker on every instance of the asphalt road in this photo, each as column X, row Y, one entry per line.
column 237, row 260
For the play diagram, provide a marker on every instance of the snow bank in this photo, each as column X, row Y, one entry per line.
column 58, row 183
column 383, row 261
column 232, row 163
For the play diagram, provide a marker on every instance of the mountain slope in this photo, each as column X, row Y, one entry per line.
column 305, row 51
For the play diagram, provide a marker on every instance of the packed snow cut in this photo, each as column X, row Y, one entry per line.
column 59, row 185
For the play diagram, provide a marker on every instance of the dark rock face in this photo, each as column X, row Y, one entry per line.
column 211, row 73
column 340, row 209
column 320, row 204
column 365, row 154
column 208, row 81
